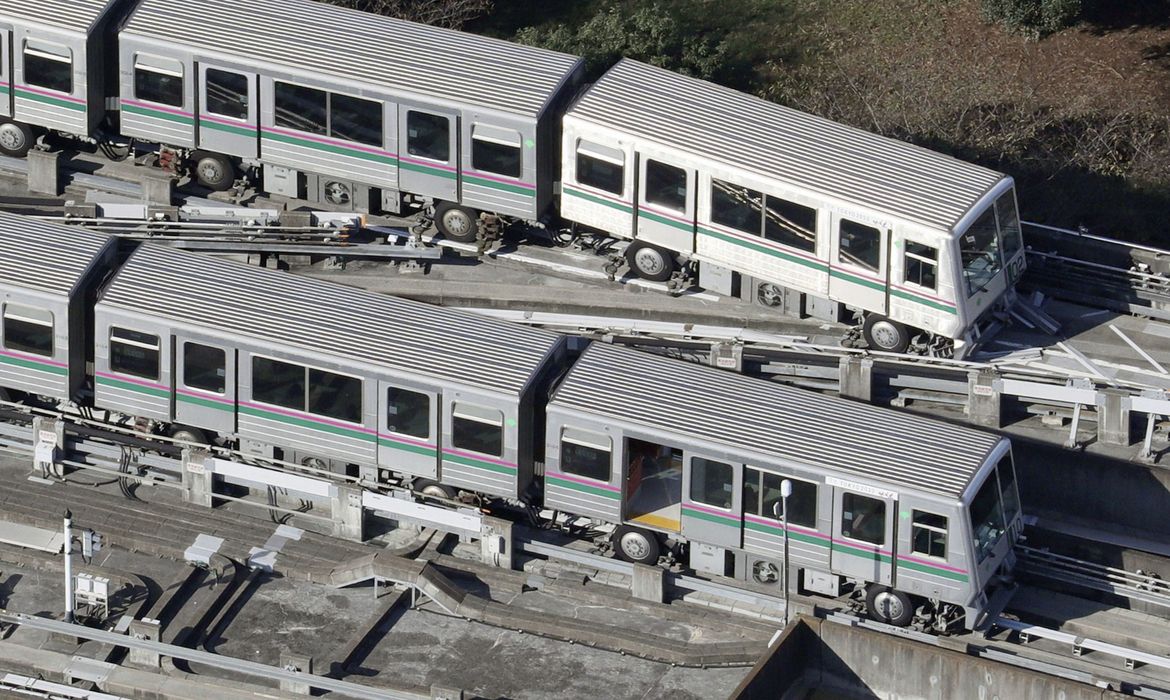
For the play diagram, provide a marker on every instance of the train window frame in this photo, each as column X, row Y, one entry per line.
column 800, row 485
column 464, row 414
column 587, row 440
column 497, row 151
column 869, row 255
column 662, row 186
column 920, row 267
column 416, row 118
column 46, row 54
column 344, row 403
column 3, row 57
column 369, row 134
column 219, row 371
column 981, row 264
column 162, row 70
column 1010, row 230
column 280, row 87
column 268, row 399
column 719, row 215
column 726, row 487
column 851, row 519
column 135, row 339
column 244, row 105
column 789, row 234
column 592, row 159
column 426, row 411
column 919, row 525
column 27, row 316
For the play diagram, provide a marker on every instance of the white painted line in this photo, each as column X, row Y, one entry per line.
column 1081, row 360
column 1137, row 349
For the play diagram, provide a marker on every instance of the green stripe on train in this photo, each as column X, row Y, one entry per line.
column 479, row 464
column 583, row 488
column 205, row 403
column 502, row 186
column 407, row 447
column 138, row 388
column 158, row 114
column 33, row 364
column 333, row 148
column 726, row 520
column 46, row 99
column 248, row 131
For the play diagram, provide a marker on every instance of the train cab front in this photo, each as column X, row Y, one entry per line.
column 996, row 523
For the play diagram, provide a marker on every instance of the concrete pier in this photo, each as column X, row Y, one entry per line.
column 857, row 378
column 44, row 172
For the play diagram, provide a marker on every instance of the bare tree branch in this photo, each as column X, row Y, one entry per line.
column 442, row 13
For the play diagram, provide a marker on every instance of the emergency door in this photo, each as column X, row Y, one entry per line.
column 408, row 430
column 859, row 264
column 863, row 531
column 5, row 73
column 228, row 111
column 428, row 152
column 205, row 385
column 665, row 204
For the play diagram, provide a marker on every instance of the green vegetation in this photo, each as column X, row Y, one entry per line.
column 1037, row 17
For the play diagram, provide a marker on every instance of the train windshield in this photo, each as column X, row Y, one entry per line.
column 1009, row 224
column 987, row 516
column 979, row 246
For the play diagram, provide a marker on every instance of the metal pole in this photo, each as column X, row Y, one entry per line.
column 68, row 566
column 785, row 492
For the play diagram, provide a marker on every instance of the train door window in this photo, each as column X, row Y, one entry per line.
column 28, row 329
column 134, row 353
column 204, row 367
column 928, row 534
column 355, row 119
column 478, row 429
column 586, row 454
column 158, row 80
column 335, row 395
column 666, row 185
column 1009, row 224
column 278, row 383
column 496, row 150
column 921, row 265
column 863, row 518
column 790, row 224
column 428, row 136
column 301, row 108
column 408, row 412
column 736, row 207
column 711, row 482
column 227, row 93
column 859, row 245
column 601, row 167
column 48, row 65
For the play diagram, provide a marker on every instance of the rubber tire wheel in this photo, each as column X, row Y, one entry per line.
column 456, row 223
column 879, row 331
column 643, row 546
column 881, row 601
column 649, row 262
column 16, row 139
column 433, row 489
column 194, row 435
column 214, row 171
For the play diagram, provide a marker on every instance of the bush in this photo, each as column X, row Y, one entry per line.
column 1037, row 17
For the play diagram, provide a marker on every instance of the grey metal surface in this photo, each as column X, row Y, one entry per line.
column 44, row 256
column 777, row 422
column 322, row 317
column 345, row 45
column 69, row 15
column 776, row 142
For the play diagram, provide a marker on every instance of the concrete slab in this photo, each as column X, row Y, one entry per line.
column 42, row 539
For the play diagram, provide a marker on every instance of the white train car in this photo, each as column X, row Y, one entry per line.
column 921, row 244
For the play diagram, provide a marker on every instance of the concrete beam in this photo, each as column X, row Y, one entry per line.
column 857, row 378
column 198, row 479
column 649, row 583
column 44, row 172
column 347, row 513
column 298, row 663
column 1113, row 425
column 147, row 630
column 984, row 401
column 158, row 187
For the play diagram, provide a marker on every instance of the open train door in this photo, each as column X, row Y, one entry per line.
column 5, row 72
column 864, row 517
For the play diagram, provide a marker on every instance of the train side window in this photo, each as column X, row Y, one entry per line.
column 587, row 454
column 301, row 108
column 928, row 534
column 335, row 395
column 204, row 367
column 711, row 482
column 736, row 207
column 408, row 412
column 860, row 245
column 601, row 167
column 802, row 504
column 134, row 353
column 355, row 119
column 49, row 66
column 921, row 265
column 863, row 518
column 496, row 151
column 278, row 383
column 478, row 429
column 227, row 93
column 428, row 135
column 666, row 185
column 790, row 224
column 28, row 329
column 158, row 80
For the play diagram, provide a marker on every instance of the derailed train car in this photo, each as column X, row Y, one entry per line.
column 918, row 515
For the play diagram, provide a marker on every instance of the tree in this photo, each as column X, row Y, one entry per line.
column 441, row 13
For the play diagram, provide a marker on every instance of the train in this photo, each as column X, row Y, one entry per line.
column 916, row 517
column 699, row 183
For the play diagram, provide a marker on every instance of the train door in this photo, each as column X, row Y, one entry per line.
column 408, row 430
column 228, row 111
column 5, row 73
column 859, row 260
column 711, row 501
column 205, row 385
column 665, row 204
column 653, row 487
column 864, row 518
column 428, row 152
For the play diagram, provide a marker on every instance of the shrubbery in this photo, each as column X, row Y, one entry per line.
column 1038, row 17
